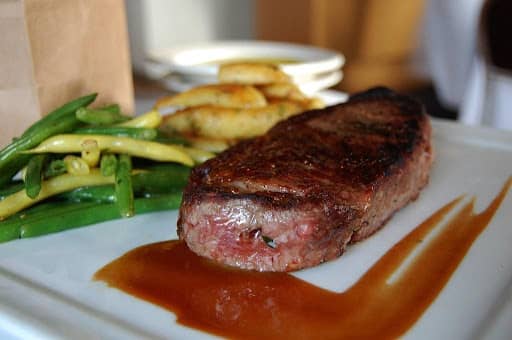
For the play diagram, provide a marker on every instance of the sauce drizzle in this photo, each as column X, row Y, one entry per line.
column 244, row 304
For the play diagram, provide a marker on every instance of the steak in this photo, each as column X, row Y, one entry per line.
column 298, row 195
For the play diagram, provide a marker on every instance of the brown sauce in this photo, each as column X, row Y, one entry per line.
column 243, row 304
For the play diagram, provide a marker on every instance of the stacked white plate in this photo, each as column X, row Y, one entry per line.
column 180, row 68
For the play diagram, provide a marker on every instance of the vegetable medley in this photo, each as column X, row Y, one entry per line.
column 79, row 166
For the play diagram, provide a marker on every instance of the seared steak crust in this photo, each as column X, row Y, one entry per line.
column 298, row 195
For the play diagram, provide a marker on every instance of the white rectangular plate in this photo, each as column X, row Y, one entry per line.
column 46, row 289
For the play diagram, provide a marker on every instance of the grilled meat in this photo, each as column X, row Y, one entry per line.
column 298, row 195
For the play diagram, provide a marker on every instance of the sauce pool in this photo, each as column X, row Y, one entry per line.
column 245, row 304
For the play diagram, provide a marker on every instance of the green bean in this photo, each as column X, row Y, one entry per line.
column 99, row 116
column 65, row 110
column 9, row 231
column 11, row 228
column 165, row 166
column 15, row 164
column 171, row 139
column 12, row 160
column 58, row 121
column 39, row 209
column 168, row 201
column 34, row 175
column 145, row 184
column 123, row 186
column 138, row 133
column 98, row 194
column 11, row 188
column 114, row 108
column 54, row 168
column 86, row 214
column 108, row 164
column 160, row 180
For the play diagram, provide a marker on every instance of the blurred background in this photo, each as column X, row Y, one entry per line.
column 435, row 50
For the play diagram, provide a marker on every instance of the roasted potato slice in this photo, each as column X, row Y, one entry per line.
column 225, row 95
column 282, row 90
column 228, row 123
column 306, row 104
column 247, row 73
column 215, row 145
column 314, row 103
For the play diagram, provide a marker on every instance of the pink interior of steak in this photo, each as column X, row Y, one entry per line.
column 245, row 233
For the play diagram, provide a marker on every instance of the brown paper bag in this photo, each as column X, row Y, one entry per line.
column 52, row 51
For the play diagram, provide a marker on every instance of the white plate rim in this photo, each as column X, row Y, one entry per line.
column 190, row 58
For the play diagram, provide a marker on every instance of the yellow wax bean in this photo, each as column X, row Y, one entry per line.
column 151, row 119
column 198, row 155
column 76, row 165
column 53, row 186
column 134, row 147
column 91, row 152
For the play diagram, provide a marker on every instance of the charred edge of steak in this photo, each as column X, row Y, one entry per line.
column 401, row 186
column 408, row 105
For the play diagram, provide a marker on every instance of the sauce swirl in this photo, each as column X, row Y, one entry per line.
column 244, row 304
